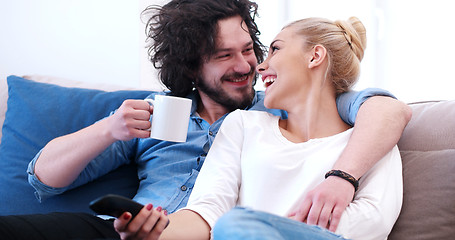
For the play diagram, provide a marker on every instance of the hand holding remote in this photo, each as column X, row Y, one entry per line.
column 115, row 205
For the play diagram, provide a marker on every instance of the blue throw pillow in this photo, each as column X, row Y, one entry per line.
column 39, row 112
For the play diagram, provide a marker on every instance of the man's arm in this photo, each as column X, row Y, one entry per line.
column 378, row 127
column 64, row 158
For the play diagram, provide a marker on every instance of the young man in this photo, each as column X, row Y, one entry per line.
column 215, row 68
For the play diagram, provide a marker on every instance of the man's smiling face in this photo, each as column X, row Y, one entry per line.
column 227, row 76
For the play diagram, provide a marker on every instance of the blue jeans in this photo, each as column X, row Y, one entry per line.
column 245, row 223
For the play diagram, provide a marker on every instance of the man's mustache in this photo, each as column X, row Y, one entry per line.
column 237, row 74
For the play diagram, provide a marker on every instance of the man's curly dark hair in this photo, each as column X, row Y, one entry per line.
column 182, row 32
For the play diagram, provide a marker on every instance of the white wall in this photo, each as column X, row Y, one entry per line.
column 274, row 14
column 88, row 40
column 148, row 74
column 410, row 42
column 418, row 49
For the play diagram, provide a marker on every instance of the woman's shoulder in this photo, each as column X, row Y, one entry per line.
column 249, row 118
column 252, row 115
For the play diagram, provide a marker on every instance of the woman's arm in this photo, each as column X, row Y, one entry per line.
column 186, row 224
column 378, row 127
column 152, row 223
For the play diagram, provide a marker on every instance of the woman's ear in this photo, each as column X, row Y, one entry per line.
column 318, row 55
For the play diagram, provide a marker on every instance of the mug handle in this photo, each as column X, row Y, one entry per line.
column 150, row 101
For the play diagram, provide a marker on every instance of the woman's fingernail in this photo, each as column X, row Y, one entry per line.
column 149, row 206
column 165, row 212
column 159, row 209
column 126, row 216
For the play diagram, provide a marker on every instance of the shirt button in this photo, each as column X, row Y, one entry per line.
column 210, row 133
column 199, row 120
column 183, row 188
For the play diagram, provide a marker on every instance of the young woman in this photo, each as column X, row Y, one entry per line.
column 265, row 165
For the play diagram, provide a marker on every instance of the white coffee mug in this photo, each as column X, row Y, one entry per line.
column 171, row 116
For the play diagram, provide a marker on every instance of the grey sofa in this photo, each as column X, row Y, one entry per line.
column 427, row 147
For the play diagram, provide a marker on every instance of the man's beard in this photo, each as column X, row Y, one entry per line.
column 222, row 97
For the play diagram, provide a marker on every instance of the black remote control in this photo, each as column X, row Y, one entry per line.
column 115, row 205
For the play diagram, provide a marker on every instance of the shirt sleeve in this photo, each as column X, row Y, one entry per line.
column 42, row 191
column 216, row 189
column 349, row 103
column 112, row 158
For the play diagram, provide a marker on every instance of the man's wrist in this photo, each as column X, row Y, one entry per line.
column 344, row 175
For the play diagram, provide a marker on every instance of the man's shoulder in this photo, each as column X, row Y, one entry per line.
column 258, row 102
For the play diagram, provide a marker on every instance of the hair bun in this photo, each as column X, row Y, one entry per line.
column 355, row 34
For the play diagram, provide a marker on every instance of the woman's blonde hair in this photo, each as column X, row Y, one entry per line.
column 345, row 42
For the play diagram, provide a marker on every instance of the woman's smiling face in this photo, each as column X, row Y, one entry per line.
column 285, row 69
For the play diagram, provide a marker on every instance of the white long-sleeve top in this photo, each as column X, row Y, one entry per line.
column 252, row 164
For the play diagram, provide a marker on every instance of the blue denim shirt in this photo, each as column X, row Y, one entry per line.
column 167, row 170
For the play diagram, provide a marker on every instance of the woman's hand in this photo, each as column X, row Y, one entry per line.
column 131, row 120
column 324, row 205
column 148, row 224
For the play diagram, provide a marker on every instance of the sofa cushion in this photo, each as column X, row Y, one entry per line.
column 427, row 149
column 37, row 113
column 64, row 82
column 428, row 196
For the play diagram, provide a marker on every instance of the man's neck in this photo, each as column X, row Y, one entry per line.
column 210, row 110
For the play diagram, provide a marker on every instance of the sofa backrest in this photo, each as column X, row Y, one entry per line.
column 57, row 81
column 427, row 147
